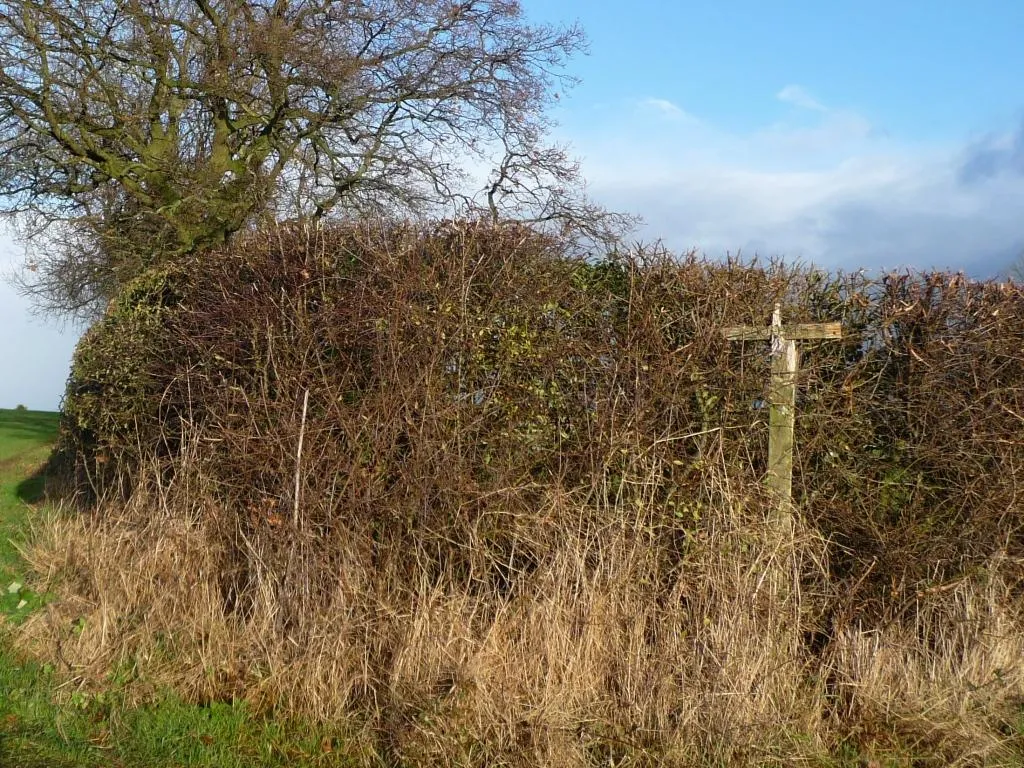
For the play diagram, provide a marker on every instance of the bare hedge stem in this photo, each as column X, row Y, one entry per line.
column 298, row 454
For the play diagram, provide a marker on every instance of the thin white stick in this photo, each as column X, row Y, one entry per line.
column 298, row 455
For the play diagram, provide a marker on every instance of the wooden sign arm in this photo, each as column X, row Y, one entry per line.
column 797, row 332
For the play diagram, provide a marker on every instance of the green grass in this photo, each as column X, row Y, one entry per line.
column 25, row 439
column 42, row 725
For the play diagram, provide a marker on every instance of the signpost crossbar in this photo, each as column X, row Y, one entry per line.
column 799, row 332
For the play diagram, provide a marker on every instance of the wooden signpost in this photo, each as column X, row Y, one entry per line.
column 782, row 398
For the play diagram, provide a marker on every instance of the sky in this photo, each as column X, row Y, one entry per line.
column 866, row 134
column 35, row 355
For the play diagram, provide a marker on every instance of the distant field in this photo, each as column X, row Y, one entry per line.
column 26, row 434
column 45, row 722
column 25, row 438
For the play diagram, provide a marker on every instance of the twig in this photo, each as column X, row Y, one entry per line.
column 298, row 455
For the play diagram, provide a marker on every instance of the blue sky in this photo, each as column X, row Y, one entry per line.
column 847, row 134
column 926, row 70
column 850, row 135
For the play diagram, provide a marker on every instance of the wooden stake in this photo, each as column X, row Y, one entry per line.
column 782, row 399
column 298, row 459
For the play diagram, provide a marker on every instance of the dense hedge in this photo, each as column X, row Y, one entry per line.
column 112, row 419
column 439, row 377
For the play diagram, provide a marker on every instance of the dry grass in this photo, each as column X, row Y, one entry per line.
column 947, row 677
column 606, row 652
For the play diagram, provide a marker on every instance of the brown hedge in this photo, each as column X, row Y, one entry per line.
column 442, row 379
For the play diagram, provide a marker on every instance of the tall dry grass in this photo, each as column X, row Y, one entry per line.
column 620, row 647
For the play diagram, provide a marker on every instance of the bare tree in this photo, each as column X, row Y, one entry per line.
column 136, row 130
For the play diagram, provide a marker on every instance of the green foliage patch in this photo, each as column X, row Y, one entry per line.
column 42, row 726
column 111, row 411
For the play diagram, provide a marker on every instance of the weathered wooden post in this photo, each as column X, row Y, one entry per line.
column 782, row 399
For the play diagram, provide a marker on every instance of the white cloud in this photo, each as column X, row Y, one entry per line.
column 996, row 155
column 799, row 97
column 874, row 214
column 834, row 129
column 836, row 192
column 668, row 109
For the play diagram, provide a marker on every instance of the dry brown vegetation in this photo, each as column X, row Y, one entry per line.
column 486, row 505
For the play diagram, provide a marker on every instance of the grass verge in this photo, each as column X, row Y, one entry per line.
column 48, row 720
column 599, row 657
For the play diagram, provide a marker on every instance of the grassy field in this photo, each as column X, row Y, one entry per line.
column 46, row 722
